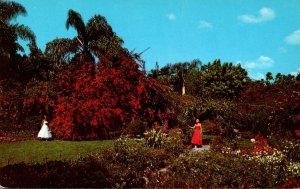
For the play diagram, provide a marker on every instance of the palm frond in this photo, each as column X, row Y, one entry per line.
column 75, row 20
column 61, row 50
column 10, row 10
column 195, row 64
column 24, row 32
column 106, row 45
column 19, row 48
column 97, row 26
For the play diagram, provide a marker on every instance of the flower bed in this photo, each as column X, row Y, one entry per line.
column 132, row 163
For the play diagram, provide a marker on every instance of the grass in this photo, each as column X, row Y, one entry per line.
column 33, row 151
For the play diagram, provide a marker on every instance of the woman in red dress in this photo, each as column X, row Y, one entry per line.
column 197, row 137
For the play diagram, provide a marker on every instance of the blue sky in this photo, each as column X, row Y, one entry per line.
column 262, row 35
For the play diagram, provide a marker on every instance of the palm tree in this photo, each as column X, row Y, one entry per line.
column 94, row 39
column 9, row 34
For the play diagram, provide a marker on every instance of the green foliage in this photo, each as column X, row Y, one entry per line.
column 136, row 155
column 136, row 128
column 211, row 127
column 222, row 80
column 214, row 80
column 9, row 34
column 174, row 143
column 176, row 75
column 155, row 138
column 95, row 39
column 213, row 169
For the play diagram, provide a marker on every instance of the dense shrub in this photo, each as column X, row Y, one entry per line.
column 136, row 128
column 291, row 183
column 130, row 160
column 94, row 99
column 213, row 169
column 270, row 109
column 211, row 127
column 88, row 173
column 174, row 142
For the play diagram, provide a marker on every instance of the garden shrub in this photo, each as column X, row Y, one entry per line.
column 187, row 134
column 212, row 169
column 291, row 183
column 211, row 127
column 207, row 139
column 91, row 103
column 155, row 138
column 136, row 128
column 129, row 161
column 270, row 109
column 86, row 173
column 174, row 143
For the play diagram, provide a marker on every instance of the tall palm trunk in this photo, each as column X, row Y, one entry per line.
column 183, row 86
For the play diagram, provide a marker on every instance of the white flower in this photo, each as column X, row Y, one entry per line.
column 252, row 140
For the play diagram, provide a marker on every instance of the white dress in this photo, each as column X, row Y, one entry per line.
column 44, row 132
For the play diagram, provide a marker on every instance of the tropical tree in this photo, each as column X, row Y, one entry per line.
column 181, row 70
column 222, row 80
column 94, row 39
column 9, row 34
column 177, row 74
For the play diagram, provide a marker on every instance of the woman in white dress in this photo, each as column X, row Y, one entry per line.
column 45, row 133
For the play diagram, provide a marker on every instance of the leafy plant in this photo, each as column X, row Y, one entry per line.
column 173, row 144
column 156, row 139
column 136, row 128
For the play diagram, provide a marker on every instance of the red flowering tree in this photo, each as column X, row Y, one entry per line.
column 272, row 108
column 39, row 97
column 97, row 98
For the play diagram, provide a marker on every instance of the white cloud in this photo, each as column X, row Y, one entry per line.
column 171, row 16
column 296, row 73
column 262, row 62
column 205, row 24
column 294, row 38
column 256, row 76
column 265, row 14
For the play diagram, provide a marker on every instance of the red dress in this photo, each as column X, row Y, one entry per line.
column 197, row 138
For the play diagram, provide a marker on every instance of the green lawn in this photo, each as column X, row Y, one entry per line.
column 39, row 151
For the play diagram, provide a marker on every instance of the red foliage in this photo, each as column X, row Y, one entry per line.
column 272, row 108
column 212, row 128
column 96, row 99
column 39, row 97
column 297, row 132
column 291, row 183
column 261, row 146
